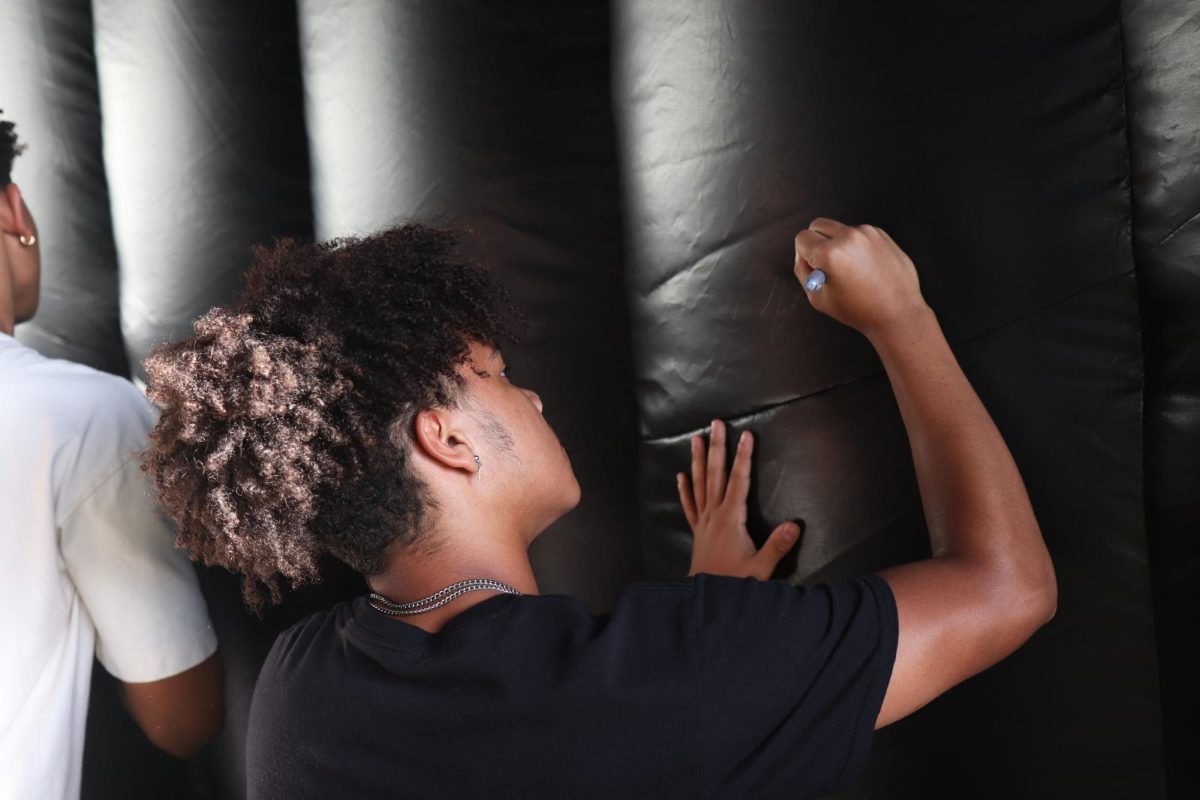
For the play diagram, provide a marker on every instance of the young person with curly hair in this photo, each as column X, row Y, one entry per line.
column 356, row 401
column 89, row 565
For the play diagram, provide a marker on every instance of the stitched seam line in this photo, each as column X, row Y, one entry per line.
column 743, row 416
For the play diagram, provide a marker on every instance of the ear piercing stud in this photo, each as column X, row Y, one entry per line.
column 479, row 471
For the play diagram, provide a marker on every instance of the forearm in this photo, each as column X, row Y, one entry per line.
column 975, row 502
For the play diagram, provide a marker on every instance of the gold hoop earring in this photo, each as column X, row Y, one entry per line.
column 27, row 240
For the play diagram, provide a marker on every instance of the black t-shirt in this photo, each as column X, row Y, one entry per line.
column 712, row 686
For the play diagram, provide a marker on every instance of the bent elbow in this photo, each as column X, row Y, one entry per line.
column 1045, row 589
column 1021, row 599
column 1049, row 597
column 1037, row 597
column 1031, row 573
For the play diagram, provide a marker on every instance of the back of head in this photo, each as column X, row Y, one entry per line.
column 284, row 432
column 10, row 148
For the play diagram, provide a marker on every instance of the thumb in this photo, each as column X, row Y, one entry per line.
column 777, row 545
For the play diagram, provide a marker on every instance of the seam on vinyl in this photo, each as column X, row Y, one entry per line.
column 754, row 412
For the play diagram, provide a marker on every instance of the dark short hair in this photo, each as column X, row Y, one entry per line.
column 10, row 148
column 285, row 425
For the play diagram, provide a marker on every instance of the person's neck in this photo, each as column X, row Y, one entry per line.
column 414, row 575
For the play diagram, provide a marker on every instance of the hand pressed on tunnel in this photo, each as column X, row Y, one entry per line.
column 716, row 511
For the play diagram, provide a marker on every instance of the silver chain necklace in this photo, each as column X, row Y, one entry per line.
column 438, row 598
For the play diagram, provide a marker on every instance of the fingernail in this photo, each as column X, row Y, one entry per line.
column 791, row 533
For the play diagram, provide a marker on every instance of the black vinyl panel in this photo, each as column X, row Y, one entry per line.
column 635, row 172
column 48, row 87
column 1063, row 385
column 987, row 144
column 991, row 146
column 815, row 459
column 1162, row 52
column 206, row 154
column 498, row 117
column 205, row 150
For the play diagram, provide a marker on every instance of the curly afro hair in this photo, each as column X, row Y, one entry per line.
column 285, row 425
column 9, row 150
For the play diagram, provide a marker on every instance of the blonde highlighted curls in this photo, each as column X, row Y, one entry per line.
column 281, row 436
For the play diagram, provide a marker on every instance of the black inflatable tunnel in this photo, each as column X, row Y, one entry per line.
column 636, row 172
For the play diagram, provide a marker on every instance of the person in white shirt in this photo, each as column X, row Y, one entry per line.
column 88, row 563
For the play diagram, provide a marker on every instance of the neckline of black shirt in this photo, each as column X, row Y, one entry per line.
column 397, row 634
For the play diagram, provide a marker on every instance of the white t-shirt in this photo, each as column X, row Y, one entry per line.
column 87, row 564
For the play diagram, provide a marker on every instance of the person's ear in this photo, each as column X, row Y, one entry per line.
column 15, row 218
column 438, row 436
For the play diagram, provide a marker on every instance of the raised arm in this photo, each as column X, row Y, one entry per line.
column 990, row 583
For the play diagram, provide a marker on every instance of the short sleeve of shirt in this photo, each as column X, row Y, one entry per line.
column 139, row 590
column 791, row 681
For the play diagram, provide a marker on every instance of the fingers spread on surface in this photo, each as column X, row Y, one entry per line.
column 686, row 500
column 777, row 545
column 739, row 476
column 699, row 476
column 715, row 490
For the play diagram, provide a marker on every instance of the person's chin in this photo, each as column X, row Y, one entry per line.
column 572, row 497
column 574, row 479
column 565, row 506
